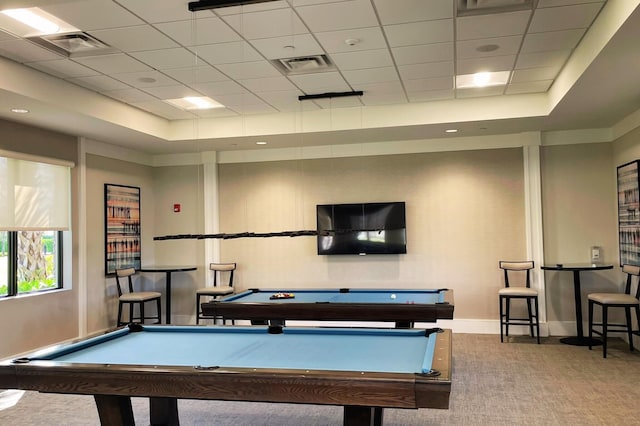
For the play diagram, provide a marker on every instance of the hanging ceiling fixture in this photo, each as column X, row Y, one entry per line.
column 195, row 6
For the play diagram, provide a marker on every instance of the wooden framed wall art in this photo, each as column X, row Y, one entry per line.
column 122, row 227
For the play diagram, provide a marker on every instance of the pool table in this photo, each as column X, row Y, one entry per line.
column 362, row 369
column 402, row 306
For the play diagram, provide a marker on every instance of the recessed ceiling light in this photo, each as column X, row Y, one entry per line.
column 261, row 143
column 19, row 110
column 451, row 131
column 32, row 19
column 482, row 79
column 194, row 102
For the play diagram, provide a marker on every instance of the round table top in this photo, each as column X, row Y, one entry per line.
column 167, row 268
column 576, row 266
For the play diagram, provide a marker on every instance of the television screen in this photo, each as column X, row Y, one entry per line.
column 365, row 228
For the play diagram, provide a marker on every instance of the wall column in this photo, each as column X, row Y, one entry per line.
column 533, row 220
column 211, row 212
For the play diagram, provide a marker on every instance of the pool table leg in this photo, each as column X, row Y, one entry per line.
column 362, row 416
column 163, row 411
column 114, row 410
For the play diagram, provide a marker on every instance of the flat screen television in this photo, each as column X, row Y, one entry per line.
column 364, row 228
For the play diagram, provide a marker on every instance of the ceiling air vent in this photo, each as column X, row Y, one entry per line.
column 73, row 44
column 488, row 7
column 304, row 64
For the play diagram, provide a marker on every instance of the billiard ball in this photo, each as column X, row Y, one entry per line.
column 393, row 296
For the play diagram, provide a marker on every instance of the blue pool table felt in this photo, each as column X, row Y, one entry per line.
column 341, row 349
column 335, row 296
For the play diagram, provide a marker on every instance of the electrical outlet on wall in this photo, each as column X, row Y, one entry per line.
column 596, row 254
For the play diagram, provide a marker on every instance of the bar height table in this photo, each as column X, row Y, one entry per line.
column 576, row 268
column 168, row 270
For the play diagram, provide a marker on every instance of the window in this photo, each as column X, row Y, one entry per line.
column 30, row 261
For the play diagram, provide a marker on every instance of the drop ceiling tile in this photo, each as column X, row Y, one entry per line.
column 436, row 52
column 477, row 92
column 279, row 47
column 339, row 15
column 534, row 74
column 366, row 39
column 555, row 40
column 413, row 10
column 171, row 92
column 492, row 63
column 529, row 87
column 283, row 100
column 92, row 15
column 145, row 79
column 163, row 109
column 344, row 102
column 431, row 95
column 227, row 53
column 474, row 48
column 199, row 74
column 155, row 11
column 218, row 88
column 429, row 70
column 563, row 18
column 129, row 95
column 200, row 31
column 24, row 51
column 233, row 100
column 270, row 84
column 322, row 82
column 248, row 70
column 214, row 113
column 383, row 94
column 261, row 108
column 164, row 59
column 428, row 84
column 257, row 7
column 99, row 83
column 63, row 68
column 489, row 26
column 371, row 75
column 425, row 32
column 555, row 59
column 132, row 39
column 110, row 64
column 362, row 59
column 266, row 24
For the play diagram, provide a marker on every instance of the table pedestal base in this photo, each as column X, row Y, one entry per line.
column 580, row 341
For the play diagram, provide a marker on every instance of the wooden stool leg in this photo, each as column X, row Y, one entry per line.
column 501, row 317
column 535, row 301
column 627, row 314
column 604, row 330
column 590, row 324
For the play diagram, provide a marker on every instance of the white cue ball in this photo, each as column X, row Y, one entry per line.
column 393, row 296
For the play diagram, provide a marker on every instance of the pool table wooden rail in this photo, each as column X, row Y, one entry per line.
column 331, row 311
column 112, row 386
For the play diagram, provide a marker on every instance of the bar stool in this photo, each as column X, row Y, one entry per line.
column 217, row 290
column 526, row 293
column 127, row 296
column 624, row 300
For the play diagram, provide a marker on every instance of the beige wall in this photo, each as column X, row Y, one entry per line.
column 579, row 211
column 160, row 188
column 465, row 212
column 37, row 320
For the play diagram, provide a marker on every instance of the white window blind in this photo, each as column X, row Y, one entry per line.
column 34, row 196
